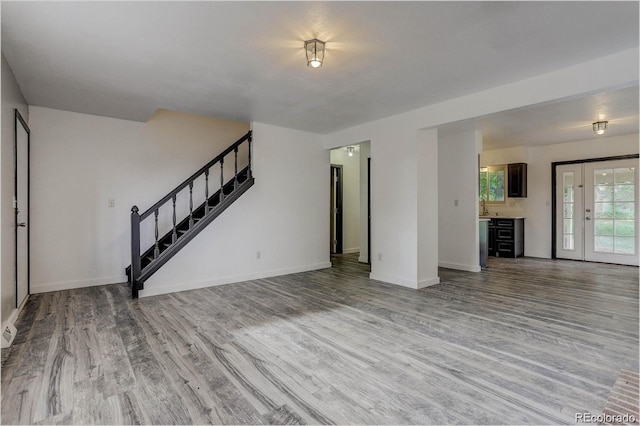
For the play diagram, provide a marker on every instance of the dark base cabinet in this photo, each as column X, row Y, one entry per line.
column 506, row 237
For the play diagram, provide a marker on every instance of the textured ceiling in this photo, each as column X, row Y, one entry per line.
column 245, row 60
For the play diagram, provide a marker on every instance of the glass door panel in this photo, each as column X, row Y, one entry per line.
column 569, row 221
column 611, row 207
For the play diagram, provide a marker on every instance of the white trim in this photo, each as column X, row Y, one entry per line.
column 351, row 250
column 428, row 282
column 538, row 254
column 68, row 285
column 10, row 324
column 362, row 259
column 154, row 291
column 14, row 316
column 403, row 282
column 459, row 266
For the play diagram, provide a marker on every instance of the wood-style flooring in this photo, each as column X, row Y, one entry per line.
column 526, row 341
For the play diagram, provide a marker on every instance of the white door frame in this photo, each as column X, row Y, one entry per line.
column 554, row 185
column 22, row 254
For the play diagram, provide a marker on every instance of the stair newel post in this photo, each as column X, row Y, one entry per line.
column 221, row 179
column 174, row 232
column 190, row 204
column 206, row 191
column 135, row 251
column 249, row 172
column 235, row 181
column 156, row 249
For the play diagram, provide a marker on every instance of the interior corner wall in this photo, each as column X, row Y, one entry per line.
column 350, row 198
column 394, row 242
column 365, row 154
column 284, row 216
column 12, row 98
column 458, row 201
column 427, row 197
column 79, row 162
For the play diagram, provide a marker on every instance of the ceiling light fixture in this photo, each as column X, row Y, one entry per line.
column 350, row 151
column 599, row 127
column 315, row 52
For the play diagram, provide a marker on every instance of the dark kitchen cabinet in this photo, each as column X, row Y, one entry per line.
column 517, row 180
column 506, row 237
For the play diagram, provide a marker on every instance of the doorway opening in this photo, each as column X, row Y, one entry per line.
column 336, row 209
column 350, row 207
column 22, row 139
column 596, row 210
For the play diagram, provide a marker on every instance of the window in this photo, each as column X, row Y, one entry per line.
column 492, row 183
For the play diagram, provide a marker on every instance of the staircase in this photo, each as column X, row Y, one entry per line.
column 181, row 232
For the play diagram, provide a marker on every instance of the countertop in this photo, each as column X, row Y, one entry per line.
column 500, row 217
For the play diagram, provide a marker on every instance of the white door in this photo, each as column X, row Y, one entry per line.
column 22, row 210
column 611, row 206
column 597, row 215
column 569, row 220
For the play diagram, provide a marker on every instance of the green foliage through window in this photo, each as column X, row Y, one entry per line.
column 492, row 184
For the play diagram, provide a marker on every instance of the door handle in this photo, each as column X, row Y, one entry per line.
column 22, row 224
column 588, row 218
column 588, row 210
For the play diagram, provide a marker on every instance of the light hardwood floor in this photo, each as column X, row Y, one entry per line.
column 526, row 341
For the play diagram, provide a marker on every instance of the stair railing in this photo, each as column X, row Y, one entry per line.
column 138, row 274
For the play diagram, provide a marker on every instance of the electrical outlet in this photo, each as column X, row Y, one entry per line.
column 112, row 202
column 455, row 203
column 379, row 257
column 258, row 255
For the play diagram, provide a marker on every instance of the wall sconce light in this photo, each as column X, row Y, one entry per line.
column 599, row 127
column 350, row 151
column 315, row 52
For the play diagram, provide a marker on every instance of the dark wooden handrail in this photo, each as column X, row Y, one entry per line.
column 227, row 193
column 194, row 176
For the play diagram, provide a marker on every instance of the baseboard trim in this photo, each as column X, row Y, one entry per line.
column 541, row 255
column 68, row 285
column 9, row 330
column 14, row 316
column 428, row 282
column 403, row 282
column 155, row 291
column 362, row 260
column 351, row 250
column 459, row 266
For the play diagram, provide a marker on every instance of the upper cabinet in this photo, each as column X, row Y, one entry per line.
column 517, row 180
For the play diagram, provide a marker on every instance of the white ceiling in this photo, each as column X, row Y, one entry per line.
column 565, row 120
column 245, row 60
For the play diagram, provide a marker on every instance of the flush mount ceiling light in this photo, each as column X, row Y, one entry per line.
column 315, row 52
column 599, row 127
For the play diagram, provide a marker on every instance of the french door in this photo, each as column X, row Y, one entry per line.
column 597, row 214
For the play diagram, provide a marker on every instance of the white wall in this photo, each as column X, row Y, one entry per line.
column 350, row 197
column 457, row 201
column 394, row 194
column 11, row 98
column 394, row 206
column 79, row 162
column 536, row 208
column 427, row 202
column 284, row 216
